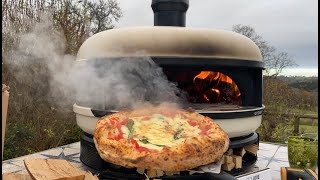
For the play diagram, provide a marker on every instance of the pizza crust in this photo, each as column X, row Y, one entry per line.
column 193, row 152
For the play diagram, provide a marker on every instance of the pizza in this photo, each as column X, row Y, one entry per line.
column 159, row 138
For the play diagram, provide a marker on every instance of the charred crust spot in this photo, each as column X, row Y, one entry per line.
column 112, row 146
column 213, row 143
column 166, row 159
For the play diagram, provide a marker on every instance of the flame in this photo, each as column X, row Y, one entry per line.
column 212, row 85
column 207, row 74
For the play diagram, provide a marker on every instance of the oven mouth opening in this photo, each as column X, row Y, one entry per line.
column 209, row 87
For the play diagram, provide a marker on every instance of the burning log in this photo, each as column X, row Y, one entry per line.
column 216, row 87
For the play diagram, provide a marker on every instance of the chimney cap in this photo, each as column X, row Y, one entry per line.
column 170, row 12
column 156, row 5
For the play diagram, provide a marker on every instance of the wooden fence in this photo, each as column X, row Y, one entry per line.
column 297, row 118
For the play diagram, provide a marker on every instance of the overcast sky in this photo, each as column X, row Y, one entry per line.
column 289, row 25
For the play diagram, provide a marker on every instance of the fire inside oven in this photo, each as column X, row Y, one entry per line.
column 216, row 84
column 206, row 86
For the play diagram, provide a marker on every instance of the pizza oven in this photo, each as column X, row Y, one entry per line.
column 219, row 71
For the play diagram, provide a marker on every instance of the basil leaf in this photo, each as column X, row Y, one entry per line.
column 129, row 125
column 158, row 145
column 144, row 141
column 175, row 136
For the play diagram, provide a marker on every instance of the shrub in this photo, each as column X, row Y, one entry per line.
column 282, row 103
column 17, row 138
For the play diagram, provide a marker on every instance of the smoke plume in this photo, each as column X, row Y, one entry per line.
column 97, row 83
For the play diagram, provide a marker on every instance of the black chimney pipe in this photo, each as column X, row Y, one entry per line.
column 170, row 12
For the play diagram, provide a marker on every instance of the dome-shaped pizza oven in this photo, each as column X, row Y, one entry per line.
column 205, row 45
column 188, row 52
column 221, row 71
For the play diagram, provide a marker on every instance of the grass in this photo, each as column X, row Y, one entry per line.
column 283, row 108
column 307, row 121
column 308, row 129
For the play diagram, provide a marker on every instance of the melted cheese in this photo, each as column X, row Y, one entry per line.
column 125, row 131
column 159, row 131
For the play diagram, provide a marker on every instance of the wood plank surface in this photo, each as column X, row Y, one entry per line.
column 53, row 169
column 15, row 176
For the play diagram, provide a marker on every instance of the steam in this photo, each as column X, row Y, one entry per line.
column 97, row 83
column 121, row 83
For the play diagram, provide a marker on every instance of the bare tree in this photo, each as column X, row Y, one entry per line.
column 274, row 61
column 80, row 19
column 34, row 114
column 77, row 19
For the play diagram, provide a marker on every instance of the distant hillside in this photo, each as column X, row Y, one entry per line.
column 305, row 83
column 311, row 86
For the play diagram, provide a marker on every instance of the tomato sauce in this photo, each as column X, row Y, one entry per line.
column 204, row 129
column 115, row 122
column 192, row 122
column 141, row 149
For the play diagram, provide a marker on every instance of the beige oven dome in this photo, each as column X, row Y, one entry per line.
column 163, row 41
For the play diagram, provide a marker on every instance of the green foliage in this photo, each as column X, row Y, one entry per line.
column 311, row 86
column 281, row 132
column 310, row 122
column 308, row 129
column 72, row 135
column 17, row 137
column 302, row 152
column 280, row 99
column 26, row 138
